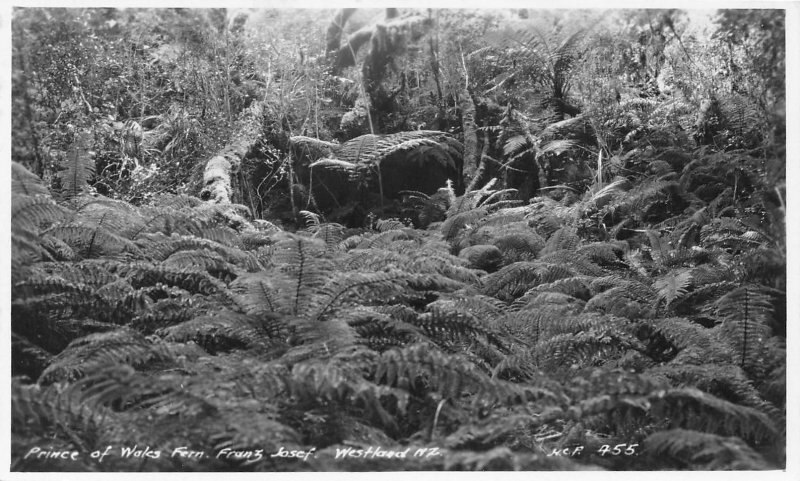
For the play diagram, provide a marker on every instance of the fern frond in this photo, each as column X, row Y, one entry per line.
column 688, row 407
column 114, row 215
column 444, row 323
column 520, row 246
column 556, row 146
column 29, row 359
column 634, row 300
column 330, row 233
column 746, row 313
column 144, row 274
column 381, row 331
column 672, row 286
column 383, row 239
column 335, row 164
column 164, row 313
column 515, row 144
column 25, row 182
column 86, row 272
column 576, row 262
column 361, row 149
column 455, row 223
column 303, row 259
column 313, row 381
column 514, row 280
column 203, row 260
column 596, row 345
column 688, row 449
column 604, row 254
column 373, row 285
column 121, row 346
column 695, row 344
column 311, row 147
column 576, row 288
column 725, row 381
column 123, row 388
column 484, row 257
column 261, row 293
column 159, row 247
column 451, row 377
column 226, row 330
column 320, row 340
column 565, row 238
column 79, row 167
column 92, row 242
column 30, row 213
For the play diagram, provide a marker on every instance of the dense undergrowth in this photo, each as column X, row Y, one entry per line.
column 643, row 313
column 600, row 283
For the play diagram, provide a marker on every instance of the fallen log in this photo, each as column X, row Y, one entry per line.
column 222, row 168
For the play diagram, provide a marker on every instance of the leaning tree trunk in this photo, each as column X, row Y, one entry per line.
column 221, row 169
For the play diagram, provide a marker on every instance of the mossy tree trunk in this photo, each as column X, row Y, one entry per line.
column 221, row 170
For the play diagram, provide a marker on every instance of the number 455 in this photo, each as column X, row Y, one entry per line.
column 626, row 449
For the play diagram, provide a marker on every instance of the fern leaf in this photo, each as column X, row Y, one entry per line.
column 29, row 213
column 123, row 387
column 79, row 167
column 24, row 182
column 91, row 242
column 687, row 449
column 122, row 346
column 672, row 286
column 376, row 285
column 259, row 293
column 311, row 147
column 556, row 146
column 747, row 314
column 303, row 259
column 565, row 238
column 688, row 407
column 223, row 331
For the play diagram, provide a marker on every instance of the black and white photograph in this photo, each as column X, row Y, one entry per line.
column 401, row 238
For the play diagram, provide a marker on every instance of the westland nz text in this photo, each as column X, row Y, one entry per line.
column 377, row 452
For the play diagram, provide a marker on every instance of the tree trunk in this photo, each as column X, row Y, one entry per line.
column 470, row 136
column 333, row 37
column 223, row 167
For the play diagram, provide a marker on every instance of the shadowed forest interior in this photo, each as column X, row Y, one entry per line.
column 485, row 239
